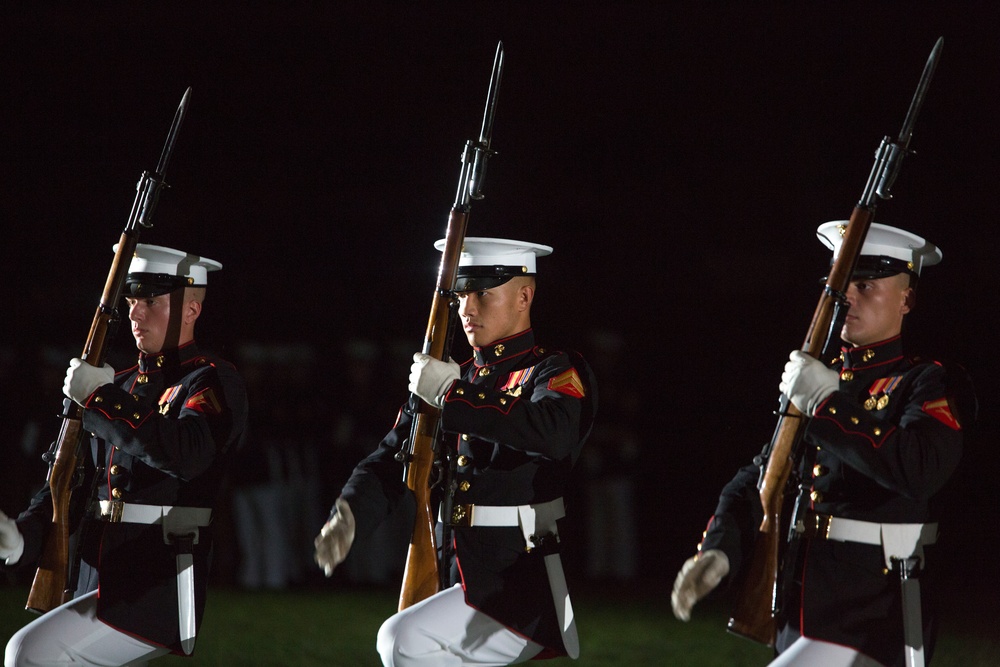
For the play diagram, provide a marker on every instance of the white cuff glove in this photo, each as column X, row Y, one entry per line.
column 335, row 538
column 11, row 541
column 82, row 379
column 699, row 575
column 431, row 378
column 807, row 382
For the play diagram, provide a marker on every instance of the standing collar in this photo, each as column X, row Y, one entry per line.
column 504, row 349
column 165, row 359
column 876, row 354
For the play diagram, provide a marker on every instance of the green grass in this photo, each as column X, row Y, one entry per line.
column 330, row 626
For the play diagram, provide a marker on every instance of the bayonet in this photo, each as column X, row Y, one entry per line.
column 890, row 155
column 471, row 186
column 150, row 184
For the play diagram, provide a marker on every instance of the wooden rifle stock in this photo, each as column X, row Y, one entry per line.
column 421, row 577
column 51, row 585
column 757, row 595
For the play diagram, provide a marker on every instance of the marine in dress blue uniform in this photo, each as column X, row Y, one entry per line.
column 515, row 417
column 884, row 438
column 163, row 432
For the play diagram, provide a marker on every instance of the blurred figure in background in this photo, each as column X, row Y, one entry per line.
column 610, row 465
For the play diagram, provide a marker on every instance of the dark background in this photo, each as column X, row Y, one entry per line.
column 679, row 161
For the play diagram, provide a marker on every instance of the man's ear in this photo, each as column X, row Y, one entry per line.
column 192, row 309
column 525, row 295
column 909, row 300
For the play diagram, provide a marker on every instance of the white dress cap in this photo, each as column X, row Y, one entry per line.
column 479, row 251
column 486, row 263
column 156, row 269
column 887, row 250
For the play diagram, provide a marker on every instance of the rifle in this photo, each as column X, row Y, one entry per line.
column 49, row 588
column 420, row 453
column 757, row 597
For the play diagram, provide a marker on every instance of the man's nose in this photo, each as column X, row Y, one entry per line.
column 466, row 307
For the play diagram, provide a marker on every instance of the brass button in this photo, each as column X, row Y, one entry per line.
column 503, row 401
column 142, row 379
column 116, row 493
column 98, row 399
column 118, row 406
column 460, row 391
column 484, row 371
column 465, row 436
column 135, row 415
column 482, row 395
column 464, row 486
column 116, row 469
column 498, row 350
column 832, row 410
column 846, row 376
column 819, row 470
column 868, row 355
column 463, row 460
column 816, row 496
column 854, row 420
column 877, row 431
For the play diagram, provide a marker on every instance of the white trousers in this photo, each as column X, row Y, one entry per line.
column 815, row 653
column 443, row 631
column 72, row 634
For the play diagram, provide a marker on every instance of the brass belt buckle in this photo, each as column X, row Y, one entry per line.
column 461, row 515
column 113, row 512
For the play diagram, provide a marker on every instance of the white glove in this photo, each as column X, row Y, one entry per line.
column 699, row 575
column 82, row 379
column 335, row 538
column 11, row 541
column 807, row 382
column 430, row 378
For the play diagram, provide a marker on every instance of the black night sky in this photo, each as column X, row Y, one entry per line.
column 678, row 159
